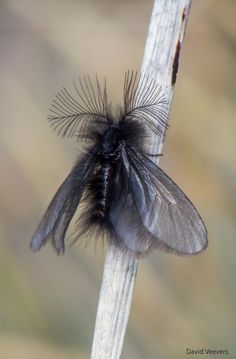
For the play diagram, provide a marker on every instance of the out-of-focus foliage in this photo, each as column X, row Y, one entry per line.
column 48, row 303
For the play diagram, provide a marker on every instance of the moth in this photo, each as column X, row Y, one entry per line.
column 122, row 195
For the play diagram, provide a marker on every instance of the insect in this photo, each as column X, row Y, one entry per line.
column 122, row 194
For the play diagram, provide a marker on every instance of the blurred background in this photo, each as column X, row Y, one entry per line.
column 47, row 303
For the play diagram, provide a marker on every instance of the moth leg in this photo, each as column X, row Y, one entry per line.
column 153, row 154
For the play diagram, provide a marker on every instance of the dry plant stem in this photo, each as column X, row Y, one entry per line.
column 114, row 304
column 161, row 58
column 163, row 46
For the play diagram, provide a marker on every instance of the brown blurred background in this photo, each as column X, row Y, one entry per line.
column 48, row 303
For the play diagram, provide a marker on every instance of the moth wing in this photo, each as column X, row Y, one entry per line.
column 60, row 211
column 164, row 209
column 129, row 232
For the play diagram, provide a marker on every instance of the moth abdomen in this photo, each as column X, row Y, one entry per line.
column 100, row 192
column 102, row 184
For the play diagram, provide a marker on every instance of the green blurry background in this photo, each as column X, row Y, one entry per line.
column 48, row 303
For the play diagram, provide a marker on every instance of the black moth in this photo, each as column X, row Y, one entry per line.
column 123, row 195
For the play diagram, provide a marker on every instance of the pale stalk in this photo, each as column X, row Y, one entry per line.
column 161, row 56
